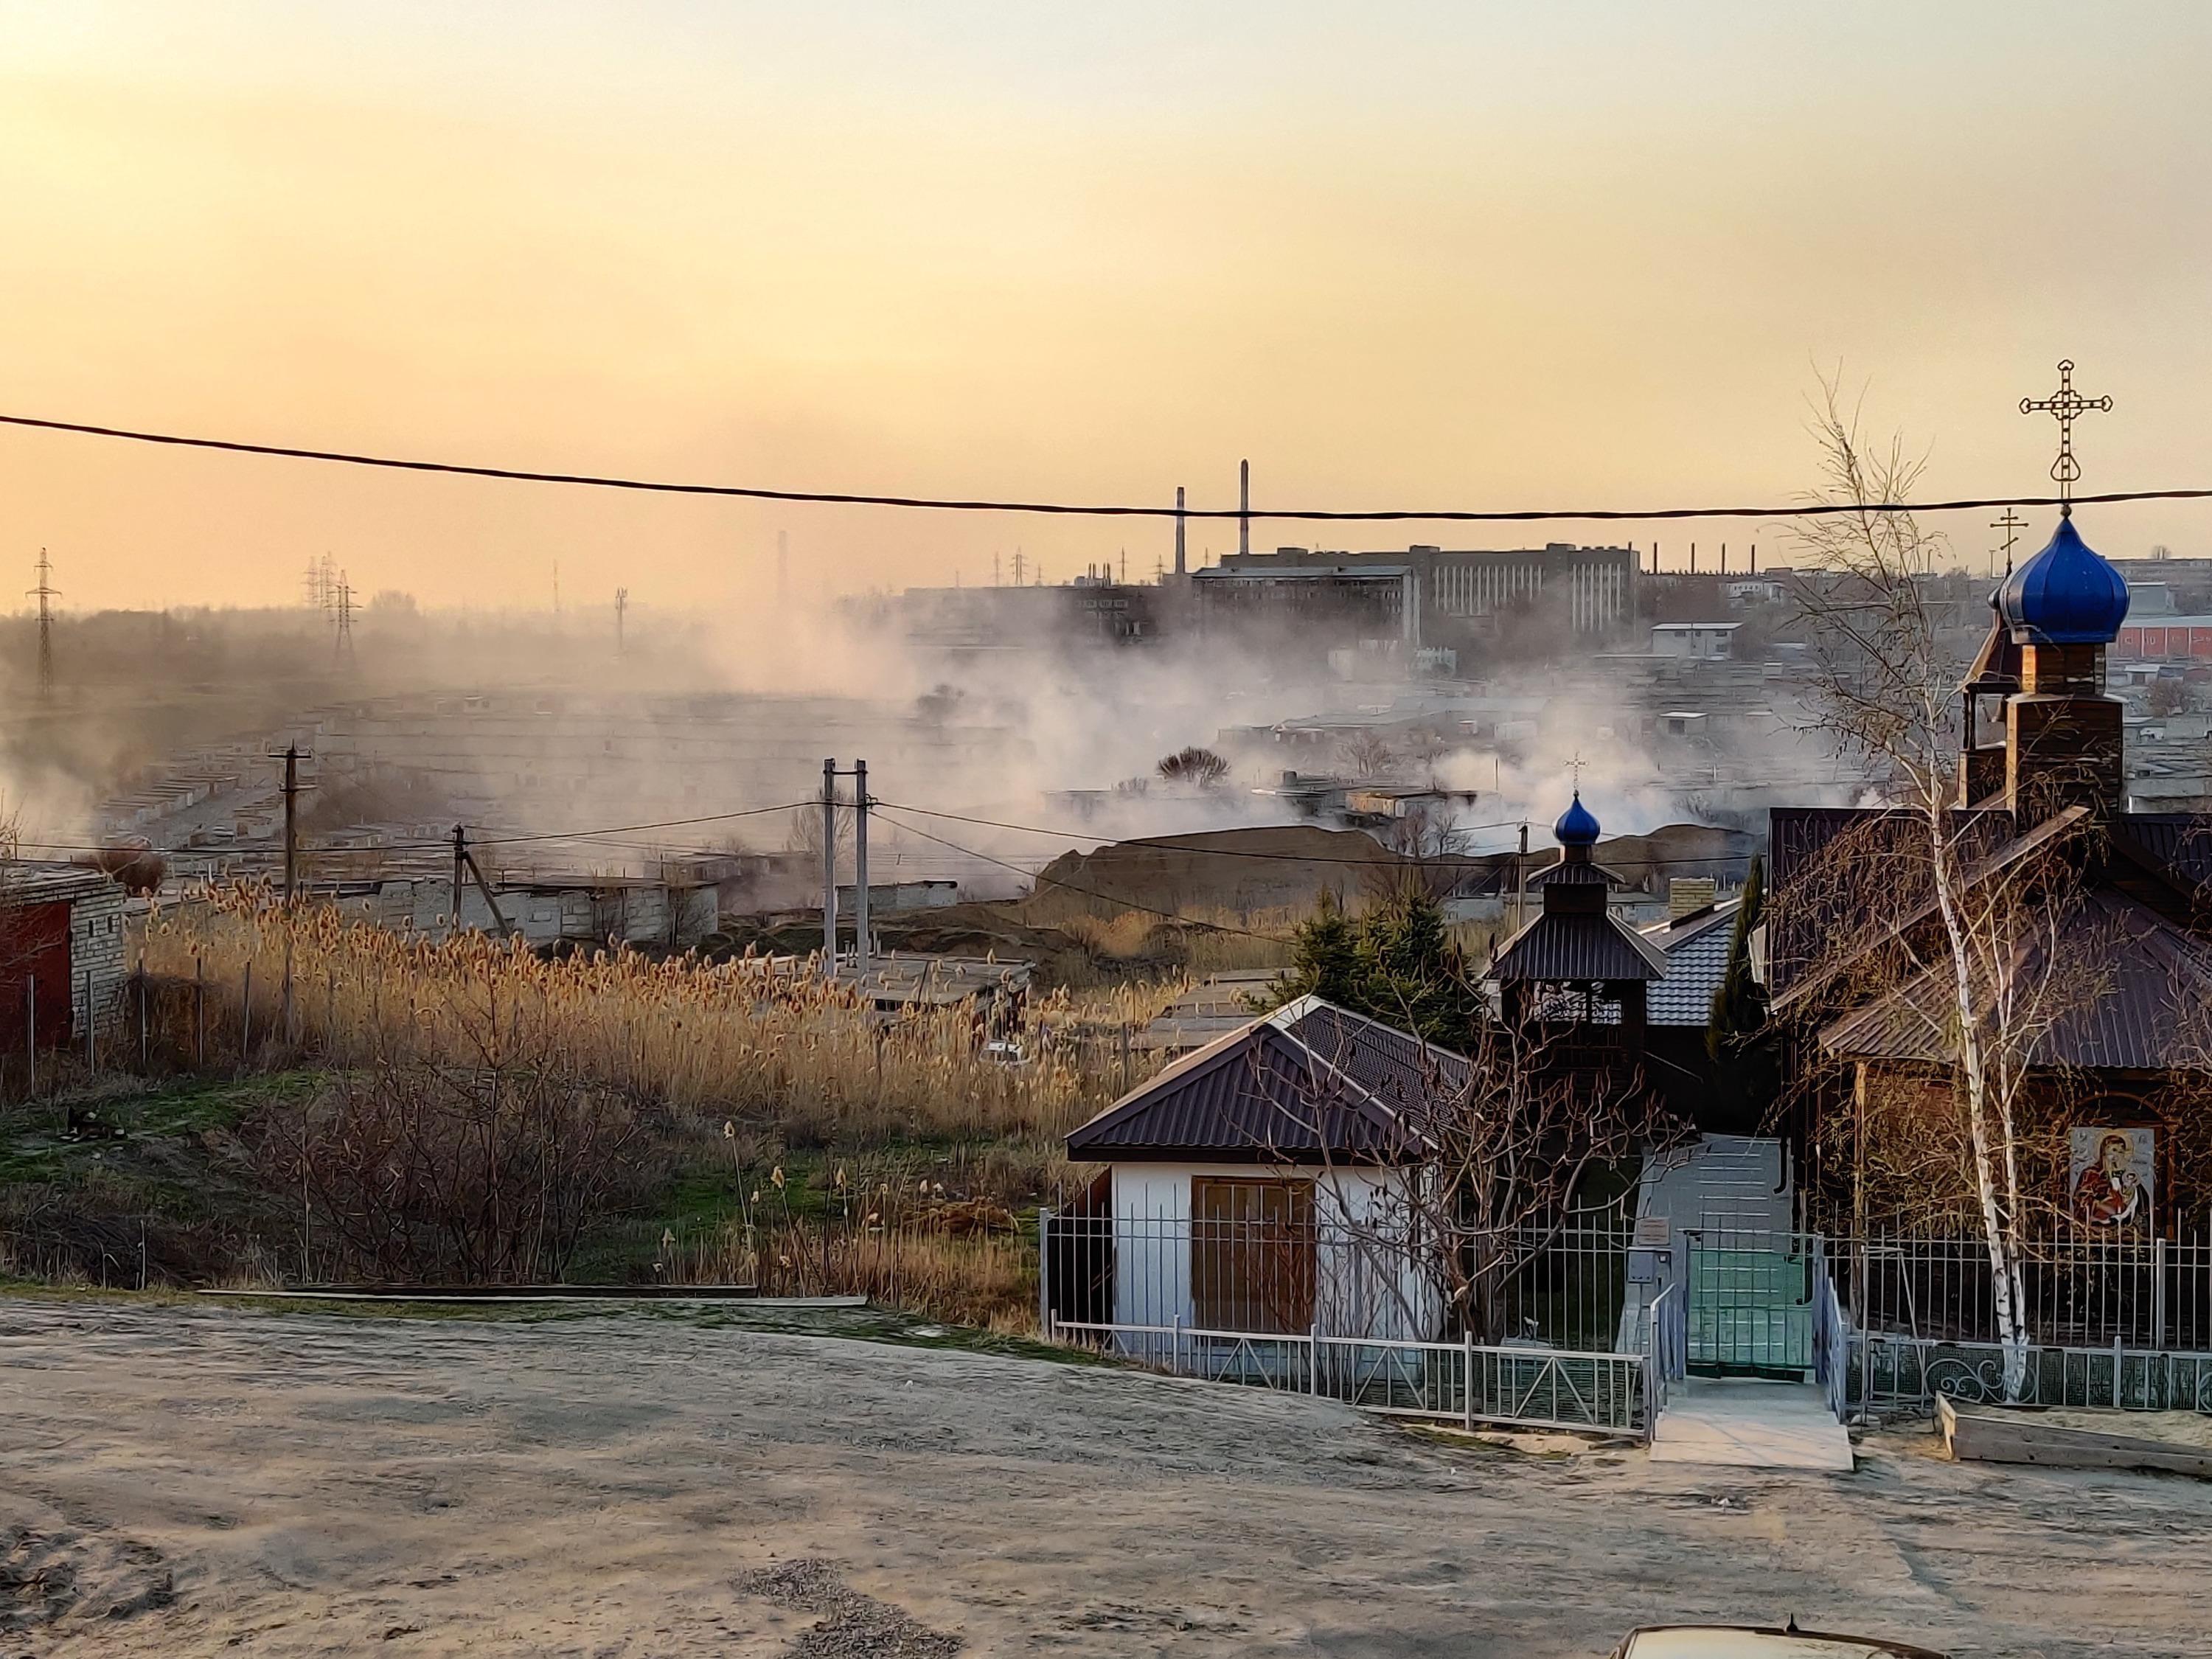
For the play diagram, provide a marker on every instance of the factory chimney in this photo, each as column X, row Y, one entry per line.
column 1243, row 506
column 1179, row 530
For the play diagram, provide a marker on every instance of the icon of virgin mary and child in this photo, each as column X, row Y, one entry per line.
column 2111, row 1189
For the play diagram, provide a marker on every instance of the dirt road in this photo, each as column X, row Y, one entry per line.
column 200, row 1480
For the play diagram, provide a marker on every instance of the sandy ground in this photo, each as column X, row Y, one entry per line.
column 200, row 1480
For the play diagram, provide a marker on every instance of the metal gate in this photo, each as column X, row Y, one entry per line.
column 1750, row 1302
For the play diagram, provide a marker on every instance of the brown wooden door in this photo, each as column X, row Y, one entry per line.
column 1252, row 1255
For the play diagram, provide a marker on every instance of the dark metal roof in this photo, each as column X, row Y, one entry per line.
column 1557, row 946
column 2182, row 841
column 1881, row 884
column 1305, row 1085
column 2117, row 989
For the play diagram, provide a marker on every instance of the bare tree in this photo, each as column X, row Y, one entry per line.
column 1921, row 908
column 1498, row 1145
column 1368, row 754
column 1193, row 764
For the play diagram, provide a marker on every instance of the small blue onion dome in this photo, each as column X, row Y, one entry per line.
column 2067, row 594
column 1576, row 827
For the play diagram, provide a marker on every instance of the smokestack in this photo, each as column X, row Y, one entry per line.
column 1179, row 530
column 1724, row 558
column 1693, row 558
column 1243, row 506
column 1754, row 558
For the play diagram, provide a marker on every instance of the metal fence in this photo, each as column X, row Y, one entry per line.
column 1262, row 1255
column 2082, row 1291
column 1450, row 1381
column 1893, row 1375
column 1342, row 1299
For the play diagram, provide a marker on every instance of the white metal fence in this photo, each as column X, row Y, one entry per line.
column 1356, row 1310
column 1362, row 1315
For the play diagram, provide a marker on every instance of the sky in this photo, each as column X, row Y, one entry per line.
column 1458, row 255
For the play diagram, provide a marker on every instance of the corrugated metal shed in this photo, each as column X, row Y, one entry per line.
column 1307, row 1084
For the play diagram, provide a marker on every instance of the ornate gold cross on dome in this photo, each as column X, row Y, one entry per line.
column 1575, row 769
column 2065, row 404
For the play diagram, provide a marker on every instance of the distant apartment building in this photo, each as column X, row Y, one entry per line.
column 1425, row 596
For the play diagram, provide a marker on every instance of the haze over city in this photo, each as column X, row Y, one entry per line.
column 995, row 1045
column 1455, row 256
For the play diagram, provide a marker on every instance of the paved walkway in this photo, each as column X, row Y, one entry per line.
column 1750, row 1424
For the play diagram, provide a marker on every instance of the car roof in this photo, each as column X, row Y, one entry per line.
column 1744, row 1641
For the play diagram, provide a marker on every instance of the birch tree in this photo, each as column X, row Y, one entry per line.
column 1986, row 962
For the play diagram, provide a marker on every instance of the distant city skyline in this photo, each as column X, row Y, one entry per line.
column 1419, row 255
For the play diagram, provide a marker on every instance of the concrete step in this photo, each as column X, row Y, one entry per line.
column 1749, row 1423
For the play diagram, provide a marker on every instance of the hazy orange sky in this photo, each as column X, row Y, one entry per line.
column 1450, row 254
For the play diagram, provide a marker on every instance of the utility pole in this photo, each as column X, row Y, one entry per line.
column 829, row 868
column 460, row 875
column 1521, row 879
column 860, row 867
column 292, row 785
column 622, row 604
column 46, row 591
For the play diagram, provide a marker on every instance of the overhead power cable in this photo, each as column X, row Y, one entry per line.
column 956, row 504
column 446, row 845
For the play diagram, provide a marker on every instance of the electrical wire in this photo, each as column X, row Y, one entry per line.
column 441, row 845
column 952, row 504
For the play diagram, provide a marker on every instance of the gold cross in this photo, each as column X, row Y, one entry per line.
column 2066, row 403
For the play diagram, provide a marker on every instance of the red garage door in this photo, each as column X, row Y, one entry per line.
column 35, row 975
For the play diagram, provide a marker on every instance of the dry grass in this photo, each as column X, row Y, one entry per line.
column 742, row 1040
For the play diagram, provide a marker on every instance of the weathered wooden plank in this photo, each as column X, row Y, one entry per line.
column 2019, row 1437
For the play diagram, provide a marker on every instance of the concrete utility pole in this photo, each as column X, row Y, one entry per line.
column 291, row 820
column 44, row 593
column 1243, row 506
column 829, row 868
column 621, row 604
column 860, row 867
column 460, row 875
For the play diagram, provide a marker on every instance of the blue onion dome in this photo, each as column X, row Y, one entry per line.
column 2067, row 594
column 1576, row 827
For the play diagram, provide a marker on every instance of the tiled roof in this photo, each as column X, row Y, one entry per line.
column 1697, row 948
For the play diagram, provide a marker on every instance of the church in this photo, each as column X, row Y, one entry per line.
column 2032, row 926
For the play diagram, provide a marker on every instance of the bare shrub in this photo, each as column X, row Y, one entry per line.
column 420, row 1172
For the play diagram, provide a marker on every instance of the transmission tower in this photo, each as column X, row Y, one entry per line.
column 46, row 592
column 621, row 604
column 343, row 589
